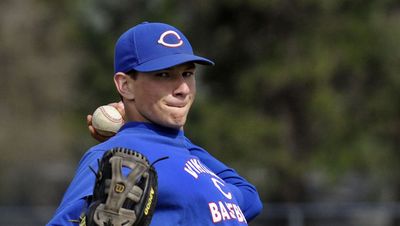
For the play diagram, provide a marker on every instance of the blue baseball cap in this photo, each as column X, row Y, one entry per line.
column 153, row 46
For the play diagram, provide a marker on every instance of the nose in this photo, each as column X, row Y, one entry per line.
column 182, row 87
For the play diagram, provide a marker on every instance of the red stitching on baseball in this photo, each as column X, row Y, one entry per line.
column 116, row 120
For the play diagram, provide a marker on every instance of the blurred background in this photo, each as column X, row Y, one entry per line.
column 304, row 100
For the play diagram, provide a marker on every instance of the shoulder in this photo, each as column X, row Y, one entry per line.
column 198, row 151
column 150, row 145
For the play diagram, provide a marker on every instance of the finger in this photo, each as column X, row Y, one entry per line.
column 92, row 130
column 121, row 105
column 89, row 120
column 121, row 108
column 114, row 104
column 97, row 136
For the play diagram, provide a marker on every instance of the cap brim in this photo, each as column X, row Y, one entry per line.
column 171, row 61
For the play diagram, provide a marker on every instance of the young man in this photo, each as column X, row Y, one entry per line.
column 155, row 75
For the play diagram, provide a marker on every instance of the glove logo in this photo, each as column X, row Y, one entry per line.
column 162, row 41
column 119, row 188
column 148, row 204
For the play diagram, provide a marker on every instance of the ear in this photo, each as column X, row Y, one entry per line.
column 124, row 85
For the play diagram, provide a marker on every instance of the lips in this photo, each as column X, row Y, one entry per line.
column 177, row 105
column 178, row 102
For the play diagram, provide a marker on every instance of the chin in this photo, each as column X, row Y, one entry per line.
column 174, row 119
column 173, row 125
column 177, row 123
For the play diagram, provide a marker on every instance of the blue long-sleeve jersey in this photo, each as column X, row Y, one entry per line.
column 194, row 188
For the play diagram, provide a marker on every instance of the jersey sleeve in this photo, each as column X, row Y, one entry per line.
column 245, row 193
column 81, row 187
column 68, row 215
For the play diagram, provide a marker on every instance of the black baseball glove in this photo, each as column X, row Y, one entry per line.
column 119, row 199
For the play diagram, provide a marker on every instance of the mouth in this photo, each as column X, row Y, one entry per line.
column 176, row 104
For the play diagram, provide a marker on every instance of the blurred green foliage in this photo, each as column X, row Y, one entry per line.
column 303, row 99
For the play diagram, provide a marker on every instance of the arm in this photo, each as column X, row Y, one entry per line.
column 69, row 214
column 74, row 200
column 245, row 192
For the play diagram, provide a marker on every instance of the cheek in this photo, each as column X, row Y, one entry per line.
column 192, row 87
column 145, row 93
column 148, row 101
column 194, row 91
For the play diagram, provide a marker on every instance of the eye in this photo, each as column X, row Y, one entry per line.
column 162, row 74
column 187, row 73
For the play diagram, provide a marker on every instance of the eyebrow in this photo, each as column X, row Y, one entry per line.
column 191, row 66
column 187, row 66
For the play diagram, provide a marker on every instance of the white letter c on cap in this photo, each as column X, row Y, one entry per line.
column 173, row 45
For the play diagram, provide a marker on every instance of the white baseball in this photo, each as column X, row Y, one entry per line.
column 107, row 120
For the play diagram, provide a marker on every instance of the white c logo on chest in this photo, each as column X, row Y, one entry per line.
column 195, row 168
column 218, row 184
column 171, row 45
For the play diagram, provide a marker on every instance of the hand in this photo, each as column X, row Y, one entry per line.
column 119, row 106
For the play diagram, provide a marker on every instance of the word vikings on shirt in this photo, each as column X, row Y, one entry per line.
column 220, row 210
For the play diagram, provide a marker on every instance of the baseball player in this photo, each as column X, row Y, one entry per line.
column 178, row 182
